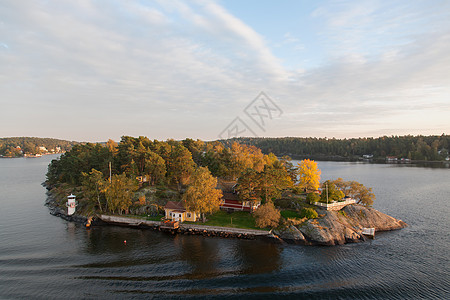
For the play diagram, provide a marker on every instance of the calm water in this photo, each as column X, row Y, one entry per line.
column 45, row 257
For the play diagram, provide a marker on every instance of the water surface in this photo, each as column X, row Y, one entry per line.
column 45, row 257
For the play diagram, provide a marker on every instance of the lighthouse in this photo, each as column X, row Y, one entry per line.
column 71, row 204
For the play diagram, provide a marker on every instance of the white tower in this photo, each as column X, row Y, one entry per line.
column 71, row 204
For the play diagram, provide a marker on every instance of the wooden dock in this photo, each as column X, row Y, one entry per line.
column 181, row 227
column 370, row 232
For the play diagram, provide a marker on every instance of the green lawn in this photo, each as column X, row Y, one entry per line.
column 143, row 217
column 238, row 219
column 290, row 214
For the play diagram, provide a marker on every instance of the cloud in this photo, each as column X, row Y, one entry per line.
column 94, row 70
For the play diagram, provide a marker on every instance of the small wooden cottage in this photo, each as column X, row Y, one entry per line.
column 176, row 211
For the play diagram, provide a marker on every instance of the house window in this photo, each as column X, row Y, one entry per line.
column 170, row 214
column 188, row 215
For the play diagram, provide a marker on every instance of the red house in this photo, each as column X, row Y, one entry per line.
column 231, row 201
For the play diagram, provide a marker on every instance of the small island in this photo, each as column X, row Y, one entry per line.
column 210, row 188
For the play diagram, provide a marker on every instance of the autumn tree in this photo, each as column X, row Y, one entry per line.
column 92, row 184
column 309, row 175
column 196, row 148
column 267, row 215
column 312, row 197
column 112, row 147
column 248, row 186
column 356, row 190
column 119, row 192
column 243, row 157
column 272, row 182
column 267, row 185
column 330, row 192
column 154, row 168
column 289, row 166
column 201, row 195
column 180, row 165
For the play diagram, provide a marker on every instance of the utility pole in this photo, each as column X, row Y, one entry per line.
column 109, row 172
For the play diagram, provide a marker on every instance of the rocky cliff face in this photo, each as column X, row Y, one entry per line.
column 340, row 227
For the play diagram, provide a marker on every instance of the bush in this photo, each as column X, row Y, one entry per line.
column 312, row 197
column 309, row 213
column 285, row 203
column 267, row 215
column 298, row 190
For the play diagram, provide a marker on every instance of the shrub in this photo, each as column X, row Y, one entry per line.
column 267, row 215
column 298, row 190
column 284, row 203
column 309, row 213
column 312, row 197
column 296, row 222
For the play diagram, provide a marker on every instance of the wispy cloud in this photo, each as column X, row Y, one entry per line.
column 98, row 69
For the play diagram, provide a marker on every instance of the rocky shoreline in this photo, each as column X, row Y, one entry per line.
column 340, row 227
column 333, row 228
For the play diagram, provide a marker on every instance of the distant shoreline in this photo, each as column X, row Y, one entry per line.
column 28, row 156
column 379, row 161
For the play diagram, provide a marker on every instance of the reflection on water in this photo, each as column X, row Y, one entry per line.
column 258, row 257
column 200, row 254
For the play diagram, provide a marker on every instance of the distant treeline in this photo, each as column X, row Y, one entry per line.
column 430, row 148
column 21, row 146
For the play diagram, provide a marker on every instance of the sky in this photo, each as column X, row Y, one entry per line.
column 90, row 70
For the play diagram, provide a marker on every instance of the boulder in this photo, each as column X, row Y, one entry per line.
column 290, row 234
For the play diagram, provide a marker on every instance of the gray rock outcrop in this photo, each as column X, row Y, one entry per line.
column 292, row 234
column 345, row 226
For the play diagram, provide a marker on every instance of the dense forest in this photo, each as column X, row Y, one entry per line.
column 429, row 148
column 108, row 176
column 162, row 162
column 24, row 146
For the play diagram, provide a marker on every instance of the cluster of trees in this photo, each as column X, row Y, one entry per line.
column 188, row 163
column 108, row 173
column 431, row 148
column 265, row 185
column 230, row 162
column 159, row 162
column 335, row 190
column 112, row 195
column 20, row 146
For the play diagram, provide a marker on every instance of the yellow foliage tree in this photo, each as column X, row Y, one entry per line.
column 202, row 196
column 309, row 175
column 267, row 215
column 119, row 192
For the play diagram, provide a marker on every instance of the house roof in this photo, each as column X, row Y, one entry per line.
column 174, row 205
column 230, row 196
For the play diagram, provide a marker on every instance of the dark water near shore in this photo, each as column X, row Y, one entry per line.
column 45, row 257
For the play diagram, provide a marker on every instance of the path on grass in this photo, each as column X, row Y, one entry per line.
column 139, row 222
column 225, row 229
